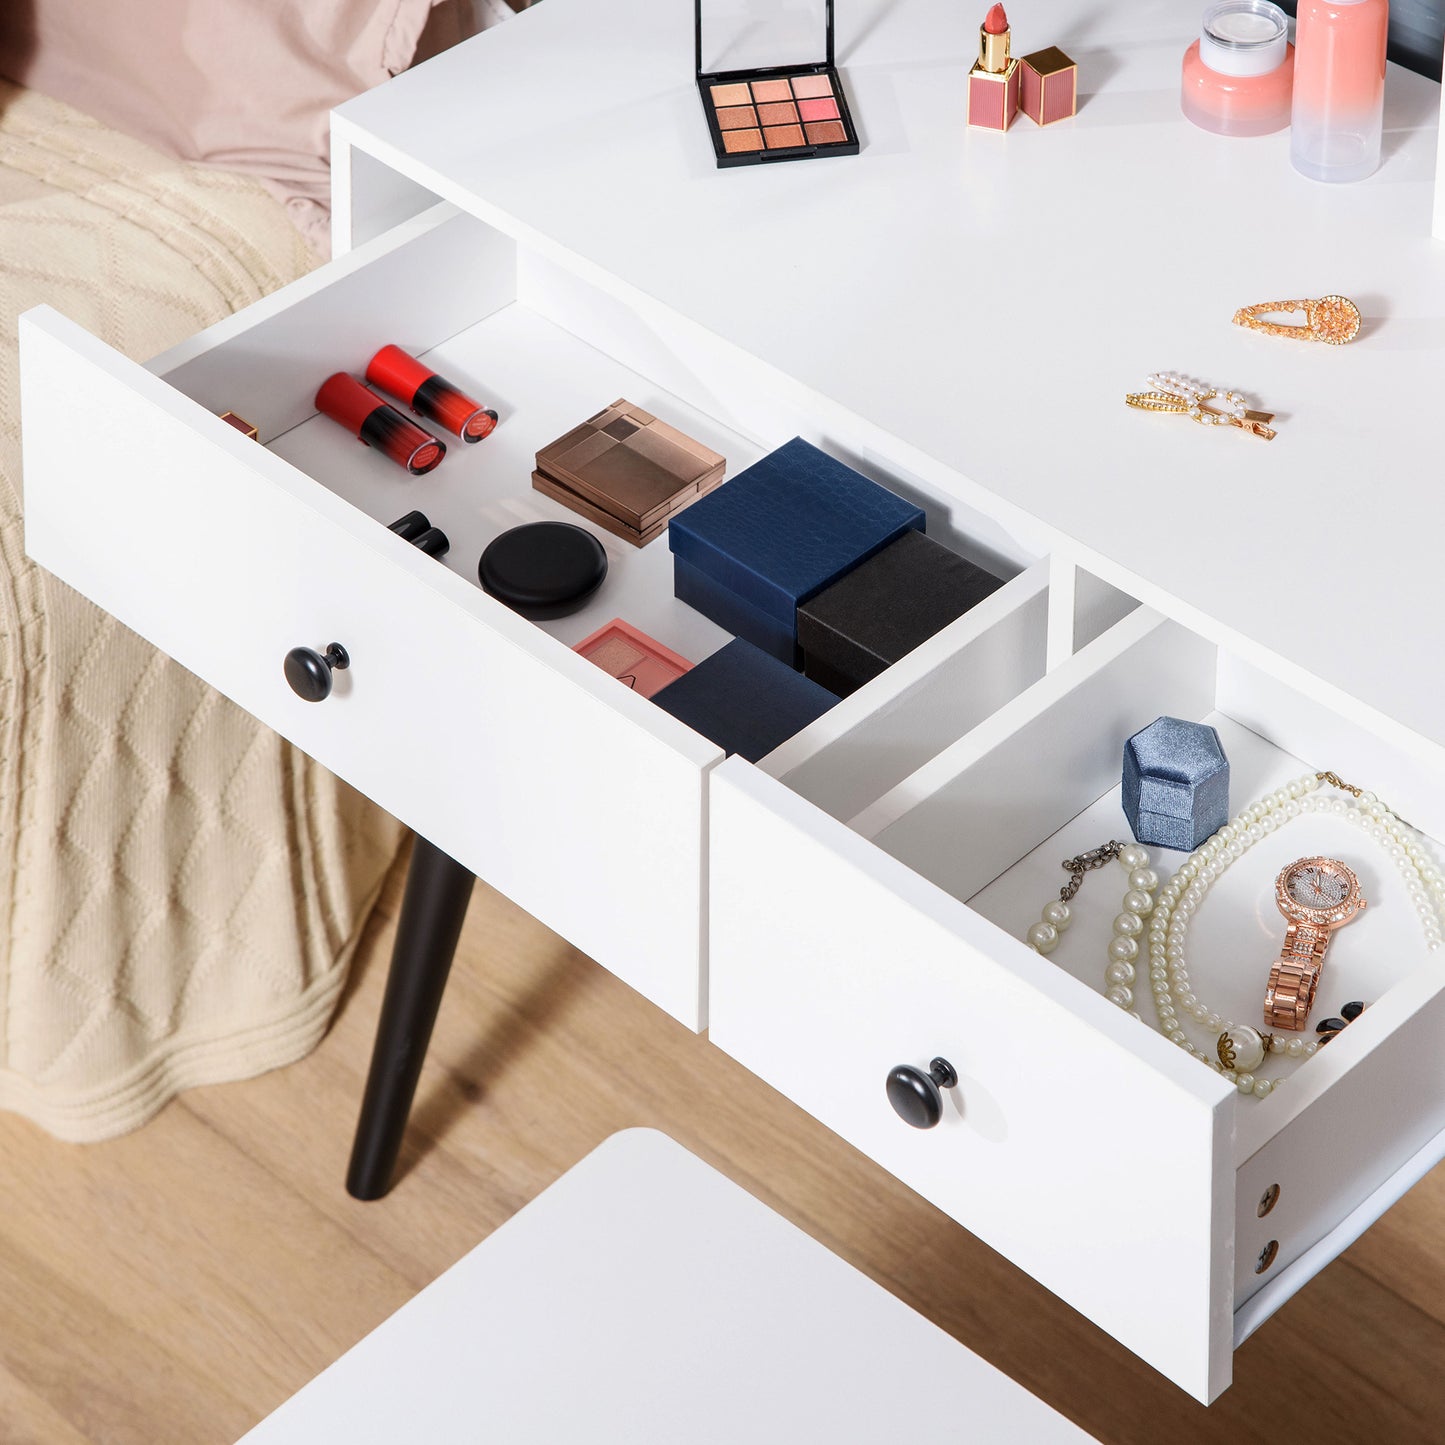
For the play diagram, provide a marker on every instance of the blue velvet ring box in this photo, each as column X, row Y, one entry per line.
column 744, row 700
column 789, row 525
column 1175, row 783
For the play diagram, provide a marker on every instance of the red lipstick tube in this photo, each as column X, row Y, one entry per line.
column 429, row 395
column 366, row 416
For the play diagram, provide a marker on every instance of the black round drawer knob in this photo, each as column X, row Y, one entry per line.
column 917, row 1098
column 309, row 671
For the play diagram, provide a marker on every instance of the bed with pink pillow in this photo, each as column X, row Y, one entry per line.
column 180, row 890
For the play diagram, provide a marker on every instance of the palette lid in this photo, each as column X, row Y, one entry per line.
column 631, row 464
column 731, row 37
column 787, row 526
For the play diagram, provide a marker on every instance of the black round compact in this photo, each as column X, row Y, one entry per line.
column 543, row 569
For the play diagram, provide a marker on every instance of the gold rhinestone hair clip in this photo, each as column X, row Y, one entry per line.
column 1207, row 405
column 1334, row 320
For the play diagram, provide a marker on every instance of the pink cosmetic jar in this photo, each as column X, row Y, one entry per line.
column 1239, row 74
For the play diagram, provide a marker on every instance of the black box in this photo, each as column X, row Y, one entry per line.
column 881, row 610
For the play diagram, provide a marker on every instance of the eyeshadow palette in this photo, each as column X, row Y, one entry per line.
column 627, row 471
column 632, row 657
column 778, row 117
column 778, row 112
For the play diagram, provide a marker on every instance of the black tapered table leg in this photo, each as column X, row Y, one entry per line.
column 438, row 889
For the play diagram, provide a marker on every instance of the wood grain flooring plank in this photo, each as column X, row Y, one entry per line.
column 28, row 1419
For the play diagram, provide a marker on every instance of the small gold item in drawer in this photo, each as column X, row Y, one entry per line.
column 241, row 425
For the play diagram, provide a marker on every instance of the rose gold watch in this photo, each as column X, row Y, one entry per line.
column 1317, row 896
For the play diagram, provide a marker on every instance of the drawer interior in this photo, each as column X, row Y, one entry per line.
column 870, row 742
column 991, row 818
column 546, row 349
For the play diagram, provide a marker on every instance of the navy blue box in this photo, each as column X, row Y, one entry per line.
column 744, row 700
column 734, row 615
column 786, row 527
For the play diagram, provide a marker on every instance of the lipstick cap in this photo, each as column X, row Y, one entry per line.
column 394, row 371
column 1048, row 86
column 411, row 526
column 346, row 401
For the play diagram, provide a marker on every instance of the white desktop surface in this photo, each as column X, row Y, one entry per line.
column 989, row 299
column 644, row 1299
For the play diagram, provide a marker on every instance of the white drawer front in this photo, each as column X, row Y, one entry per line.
column 1099, row 1174
column 574, row 797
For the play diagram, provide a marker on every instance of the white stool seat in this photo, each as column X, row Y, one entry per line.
column 646, row 1298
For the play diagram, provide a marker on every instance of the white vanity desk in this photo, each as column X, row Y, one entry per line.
column 959, row 314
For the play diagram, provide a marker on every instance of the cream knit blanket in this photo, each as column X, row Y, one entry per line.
column 180, row 890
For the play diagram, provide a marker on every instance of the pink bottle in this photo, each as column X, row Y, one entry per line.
column 1238, row 74
column 1339, row 88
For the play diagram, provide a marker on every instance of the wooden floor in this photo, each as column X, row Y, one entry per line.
column 178, row 1284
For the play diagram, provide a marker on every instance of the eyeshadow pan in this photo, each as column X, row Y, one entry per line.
column 781, row 136
column 737, row 117
column 744, row 140
column 614, row 656
column 780, row 114
column 808, row 87
column 772, row 90
column 826, row 132
column 819, row 109
column 730, row 94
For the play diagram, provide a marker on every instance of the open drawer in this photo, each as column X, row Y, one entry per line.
column 1120, row 1172
column 485, row 732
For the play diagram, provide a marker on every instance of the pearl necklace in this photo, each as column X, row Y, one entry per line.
column 1180, row 898
column 1138, row 903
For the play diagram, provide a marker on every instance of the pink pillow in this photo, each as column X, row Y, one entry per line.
column 243, row 84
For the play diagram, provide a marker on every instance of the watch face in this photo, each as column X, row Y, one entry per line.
column 1317, row 885
column 1322, row 892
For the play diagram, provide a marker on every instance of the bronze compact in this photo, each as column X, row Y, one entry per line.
column 627, row 471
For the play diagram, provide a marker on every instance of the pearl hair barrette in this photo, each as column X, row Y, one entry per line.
column 1208, row 405
column 1158, row 926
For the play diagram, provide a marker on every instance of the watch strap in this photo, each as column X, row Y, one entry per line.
column 1294, row 977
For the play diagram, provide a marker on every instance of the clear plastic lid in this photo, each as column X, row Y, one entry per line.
column 1243, row 37
column 748, row 35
